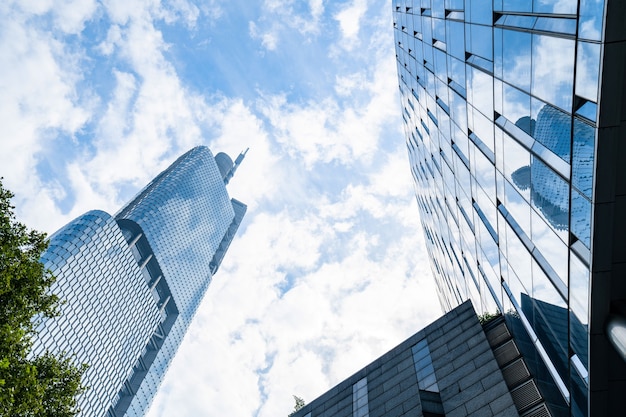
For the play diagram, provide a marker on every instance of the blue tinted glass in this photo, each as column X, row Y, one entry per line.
column 550, row 194
column 516, row 58
column 590, row 19
column 581, row 218
column 456, row 40
column 583, row 156
column 479, row 40
column 549, row 24
column 588, row 110
column 480, row 91
column 479, row 11
column 516, row 5
column 552, row 128
column 555, row 6
column 587, row 70
column 553, row 70
column 516, row 107
column 439, row 29
column 526, row 22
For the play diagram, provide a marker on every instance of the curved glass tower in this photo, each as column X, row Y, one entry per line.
column 514, row 118
column 133, row 282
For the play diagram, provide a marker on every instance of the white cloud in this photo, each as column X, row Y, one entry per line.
column 349, row 20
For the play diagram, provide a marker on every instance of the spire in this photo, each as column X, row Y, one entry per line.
column 231, row 172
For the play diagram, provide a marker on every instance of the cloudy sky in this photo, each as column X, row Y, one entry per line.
column 329, row 270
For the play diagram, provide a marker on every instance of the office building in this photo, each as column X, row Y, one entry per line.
column 515, row 123
column 453, row 367
column 133, row 282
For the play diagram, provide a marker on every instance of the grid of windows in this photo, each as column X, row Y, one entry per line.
column 499, row 103
column 184, row 213
column 109, row 313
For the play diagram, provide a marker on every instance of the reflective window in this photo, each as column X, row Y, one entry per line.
column 516, row 107
column 583, row 156
column 426, row 379
column 581, row 218
column 552, row 128
column 478, row 40
column 553, row 70
column 456, row 39
column 360, row 406
column 590, row 19
column 552, row 248
column 555, row 6
column 587, row 70
column 516, row 58
column 480, row 91
column 516, row 5
column 550, row 194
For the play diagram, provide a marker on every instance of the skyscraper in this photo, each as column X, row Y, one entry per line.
column 132, row 282
column 515, row 119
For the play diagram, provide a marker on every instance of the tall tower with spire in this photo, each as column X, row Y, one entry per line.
column 133, row 282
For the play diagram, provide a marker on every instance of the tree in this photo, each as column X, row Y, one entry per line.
column 45, row 385
column 300, row 403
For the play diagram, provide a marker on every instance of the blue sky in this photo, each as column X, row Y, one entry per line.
column 328, row 270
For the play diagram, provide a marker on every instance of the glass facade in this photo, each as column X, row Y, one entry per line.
column 134, row 282
column 501, row 116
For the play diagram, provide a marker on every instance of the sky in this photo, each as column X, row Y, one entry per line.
column 329, row 269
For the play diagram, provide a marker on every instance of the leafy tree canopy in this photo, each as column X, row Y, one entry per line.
column 45, row 385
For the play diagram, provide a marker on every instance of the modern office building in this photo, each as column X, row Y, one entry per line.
column 133, row 282
column 515, row 122
column 453, row 367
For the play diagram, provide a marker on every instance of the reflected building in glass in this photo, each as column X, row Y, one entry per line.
column 133, row 282
column 515, row 123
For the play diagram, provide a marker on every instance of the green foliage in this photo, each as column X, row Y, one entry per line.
column 487, row 317
column 29, row 386
column 299, row 404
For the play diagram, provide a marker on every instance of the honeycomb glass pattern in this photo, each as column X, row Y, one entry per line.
column 109, row 313
column 184, row 213
column 499, row 101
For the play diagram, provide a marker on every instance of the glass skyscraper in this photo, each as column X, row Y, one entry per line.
column 515, row 123
column 132, row 282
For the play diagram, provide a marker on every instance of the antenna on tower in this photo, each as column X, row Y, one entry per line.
column 231, row 172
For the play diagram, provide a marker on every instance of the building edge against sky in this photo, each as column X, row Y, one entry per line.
column 133, row 282
column 515, row 123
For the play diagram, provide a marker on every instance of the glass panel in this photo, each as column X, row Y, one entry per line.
column 553, row 70
column 479, row 11
column 590, row 19
column 550, row 194
column 588, row 111
column 548, row 315
column 516, row 53
column 456, row 41
column 551, row 247
column 552, row 128
column 478, row 40
column 555, row 6
column 583, row 155
column 517, row 207
column 516, row 5
column 439, row 29
column 480, row 91
column 497, row 51
column 587, row 70
column 550, row 24
column 581, row 218
column 516, row 107
column 520, row 21
column 517, row 165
